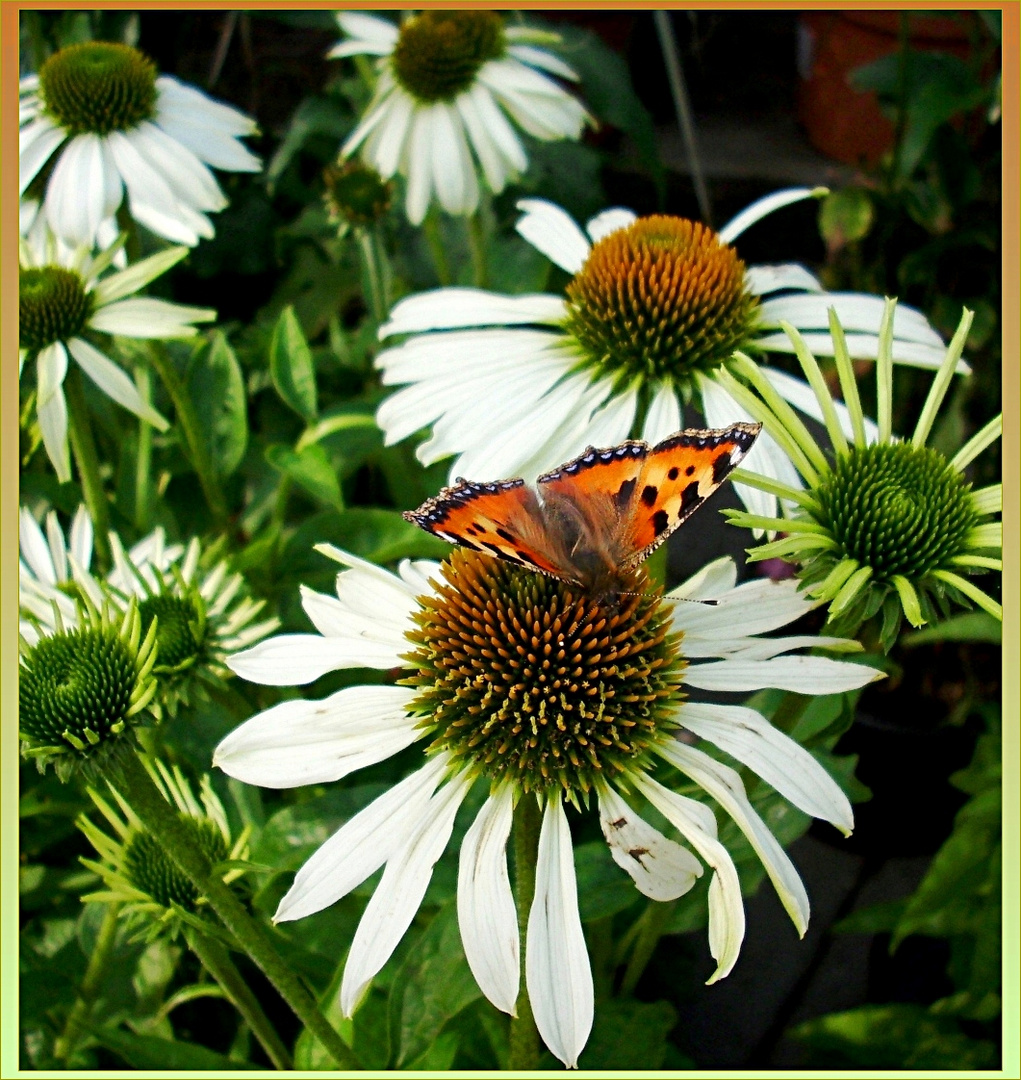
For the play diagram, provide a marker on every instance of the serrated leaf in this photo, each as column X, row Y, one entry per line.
column 310, row 468
column 291, row 366
column 217, row 391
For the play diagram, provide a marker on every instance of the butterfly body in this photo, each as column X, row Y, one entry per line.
column 594, row 520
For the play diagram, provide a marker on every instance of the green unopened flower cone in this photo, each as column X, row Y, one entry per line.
column 883, row 527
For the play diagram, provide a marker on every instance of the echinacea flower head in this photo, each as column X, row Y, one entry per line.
column 452, row 87
column 655, row 309
column 202, row 612
column 356, row 195
column 137, row 872
column 66, row 297
column 535, row 691
column 883, row 527
column 82, row 689
column 108, row 121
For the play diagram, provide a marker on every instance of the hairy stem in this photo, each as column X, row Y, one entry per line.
column 191, row 428
column 66, row 1042
column 524, row 1035
column 83, row 446
column 216, row 960
column 163, row 821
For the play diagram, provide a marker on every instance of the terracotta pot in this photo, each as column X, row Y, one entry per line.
column 840, row 122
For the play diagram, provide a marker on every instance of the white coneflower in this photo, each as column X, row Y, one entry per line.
column 453, row 84
column 62, row 296
column 541, row 693
column 112, row 122
column 514, row 384
column 886, row 526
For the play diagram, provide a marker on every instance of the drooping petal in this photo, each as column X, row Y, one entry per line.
column 147, row 317
column 557, row 969
column 777, row 758
column 362, row 844
column 37, row 142
column 760, row 209
column 664, row 416
column 399, row 894
column 75, row 192
column 113, row 381
column 34, row 549
column 317, row 742
column 725, row 786
column 51, row 408
column 485, row 904
column 554, row 232
column 660, row 868
column 726, row 909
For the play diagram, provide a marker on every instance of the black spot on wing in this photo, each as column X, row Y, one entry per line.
column 660, row 520
column 673, row 473
column 509, row 537
column 690, row 498
column 721, row 466
column 624, row 492
column 690, row 470
column 525, row 557
column 650, row 494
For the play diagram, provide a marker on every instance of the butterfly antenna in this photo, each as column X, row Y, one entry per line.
column 686, row 599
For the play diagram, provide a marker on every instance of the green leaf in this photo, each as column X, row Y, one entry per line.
column 938, row 87
column 150, row 1053
column 967, row 626
column 892, row 1037
column 313, row 116
column 310, row 468
column 603, row 888
column 381, row 536
column 874, row 919
column 433, row 985
column 291, row 835
column 291, row 366
column 439, row 1056
column 217, row 390
column 629, row 1035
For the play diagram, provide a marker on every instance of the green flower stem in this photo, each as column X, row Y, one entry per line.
column 83, row 445
column 477, row 245
column 375, row 272
column 65, row 1043
column 160, row 818
column 524, row 1035
column 216, row 960
column 787, row 714
column 143, row 458
column 653, row 922
column 431, row 231
column 191, row 427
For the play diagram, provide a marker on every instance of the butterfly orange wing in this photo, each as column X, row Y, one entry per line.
column 501, row 518
column 677, row 477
